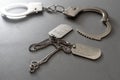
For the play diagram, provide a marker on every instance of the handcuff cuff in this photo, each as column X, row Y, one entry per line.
column 36, row 7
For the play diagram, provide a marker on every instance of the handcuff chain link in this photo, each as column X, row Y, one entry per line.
column 55, row 9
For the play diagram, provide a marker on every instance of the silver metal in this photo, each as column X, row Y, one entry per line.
column 60, row 31
column 55, row 8
column 86, row 51
column 36, row 64
column 38, row 46
column 73, row 11
column 57, row 43
column 33, row 7
column 76, row 49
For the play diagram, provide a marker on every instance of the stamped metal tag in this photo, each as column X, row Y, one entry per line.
column 60, row 31
column 86, row 51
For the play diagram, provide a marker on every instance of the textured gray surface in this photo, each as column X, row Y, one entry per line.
column 16, row 36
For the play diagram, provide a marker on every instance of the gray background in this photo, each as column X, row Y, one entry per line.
column 16, row 36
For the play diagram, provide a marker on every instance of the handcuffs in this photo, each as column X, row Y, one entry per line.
column 36, row 7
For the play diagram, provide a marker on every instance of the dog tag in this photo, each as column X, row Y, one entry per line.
column 86, row 51
column 60, row 31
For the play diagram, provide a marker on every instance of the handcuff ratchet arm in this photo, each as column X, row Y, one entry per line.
column 74, row 11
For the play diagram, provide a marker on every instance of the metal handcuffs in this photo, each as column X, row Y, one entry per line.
column 35, row 7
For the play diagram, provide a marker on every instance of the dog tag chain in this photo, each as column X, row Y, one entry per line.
column 75, row 49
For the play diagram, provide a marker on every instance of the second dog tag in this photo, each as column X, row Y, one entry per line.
column 86, row 51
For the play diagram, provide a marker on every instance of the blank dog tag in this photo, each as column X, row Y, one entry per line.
column 60, row 31
column 86, row 51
